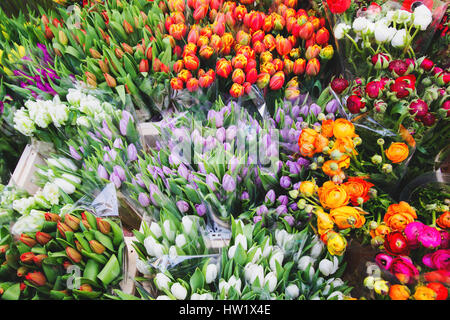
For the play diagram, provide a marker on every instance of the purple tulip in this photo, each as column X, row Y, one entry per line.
column 183, row 171
column 174, row 160
column 262, row 210
column 210, row 143
column 296, row 186
column 114, row 178
column 132, row 152
column 74, row 153
column 201, row 209
column 106, row 131
column 293, row 167
column 280, row 112
column 257, row 219
column 332, row 106
column 183, row 206
column 302, row 162
column 154, row 190
column 123, row 124
column 144, row 200
column 283, row 199
column 282, row 209
column 315, row 109
column 289, row 219
column 228, row 183
column 102, row 173
column 270, row 197
column 120, row 173
column 234, row 162
column 293, row 206
column 295, row 111
column 231, row 133
column 227, row 146
column 285, row 182
column 211, row 179
column 221, row 134
column 167, row 171
column 304, row 110
column 288, row 121
column 245, row 196
column 118, row 143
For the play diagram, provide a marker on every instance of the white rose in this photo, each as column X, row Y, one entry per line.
column 142, row 267
column 341, row 30
column 400, row 38
column 422, row 17
column 292, row 291
column 178, row 291
column 211, row 273
column 162, row 281
column 155, row 229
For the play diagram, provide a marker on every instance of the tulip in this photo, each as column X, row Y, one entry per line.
column 97, row 247
column 228, row 183
column 27, row 257
column 238, row 76
column 183, row 206
column 178, row 291
column 110, row 81
column 313, row 67
column 277, row 81
column 72, row 221
column 73, row 254
column 37, row 259
column 52, row 217
column 312, row 52
column 236, row 90
column 63, row 228
column 103, row 226
column 26, row 239
column 37, row 278
column 176, row 84
column 143, row 199
column 283, row 45
column 162, row 281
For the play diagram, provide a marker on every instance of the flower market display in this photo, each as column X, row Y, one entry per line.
column 225, row 150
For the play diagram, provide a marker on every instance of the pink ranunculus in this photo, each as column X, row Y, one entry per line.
column 429, row 237
column 412, row 231
column 445, row 239
column 384, row 261
column 439, row 259
column 403, row 268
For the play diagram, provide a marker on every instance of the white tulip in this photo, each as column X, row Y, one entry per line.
column 173, row 252
column 163, row 297
column 242, row 240
column 187, row 224
column 256, row 271
column 231, row 252
column 292, row 291
column 257, row 255
column 317, row 249
column 304, row 261
column 400, row 39
column 280, row 236
column 211, row 273
column 158, row 250
column 206, row 296
column 276, row 256
column 422, row 17
column 162, row 281
column 156, row 229
column 326, row 267
column 71, row 178
column 149, row 244
column 236, row 283
column 360, row 25
column 142, row 267
column 341, row 30
column 180, row 240
column 311, row 273
column 67, row 164
column 196, row 296
column 338, row 294
column 223, row 285
column 170, row 234
column 66, row 186
column 23, row 205
column 178, row 291
column 267, row 249
column 337, row 282
column 271, row 281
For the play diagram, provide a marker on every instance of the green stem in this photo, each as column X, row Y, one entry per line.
column 354, row 43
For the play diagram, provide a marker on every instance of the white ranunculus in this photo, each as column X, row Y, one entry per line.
column 271, row 281
column 381, row 32
column 242, row 240
column 211, row 273
column 292, row 291
column 326, row 267
column 370, row 29
column 304, row 261
column 277, row 255
column 178, row 291
column 170, row 233
column 51, row 193
column 400, row 39
column 422, row 17
column 187, row 224
column 180, row 240
column 65, row 185
column 391, row 33
column 149, row 244
column 341, row 30
column 155, row 229
column 142, row 267
column 360, row 25
column 29, row 223
column 162, row 281
column 23, row 123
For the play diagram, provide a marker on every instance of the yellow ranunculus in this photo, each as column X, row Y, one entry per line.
column 342, row 128
column 336, row 244
column 424, row 293
column 324, row 222
column 308, row 188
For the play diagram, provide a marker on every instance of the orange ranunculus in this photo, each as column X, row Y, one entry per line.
column 324, row 222
column 399, row 215
column 328, row 169
column 327, row 128
column 444, row 220
column 343, row 128
column 307, row 150
column 320, row 143
column 332, row 195
column 347, row 217
column 424, row 293
column 397, row 152
column 404, row 133
column 357, row 188
column 344, row 145
column 399, row 292
column 308, row 135
column 381, row 231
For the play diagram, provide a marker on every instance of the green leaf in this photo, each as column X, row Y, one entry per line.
column 197, row 280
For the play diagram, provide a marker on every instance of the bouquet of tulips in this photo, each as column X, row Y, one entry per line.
column 71, row 255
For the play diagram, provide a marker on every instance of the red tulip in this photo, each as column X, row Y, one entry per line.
column 313, row 67
column 26, row 239
column 259, row 47
column 127, row 27
column 277, row 80
column 37, row 278
column 192, row 84
column 268, row 24
column 268, row 67
column 191, row 62
column 178, row 66
column 263, row 80
column 288, row 66
column 251, row 76
column 205, row 80
column 206, row 52
column 206, row 32
column 238, row 76
column 251, row 64
column 37, row 259
column 270, row 42
column 63, row 228
column 283, row 46
column 73, row 254
column 256, row 21
column 184, row 75
column 322, row 36
column 312, row 52
column 27, row 257
column 299, row 66
column 239, row 12
column 236, row 90
column 200, row 12
column 43, row 237
column 223, row 68
column 243, row 38
column 306, row 31
column 178, row 30
column 193, row 35
column 103, row 226
column 338, row 6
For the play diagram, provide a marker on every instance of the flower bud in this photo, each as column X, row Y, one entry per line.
column 63, row 228
column 95, row 54
column 26, row 239
column 380, row 61
column 110, row 81
column 37, row 259
column 386, row 168
column 43, row 237
column 37, row 278
column 97, row 247
column 27, row 257
column 103, row 226
column 72, row 221
column 73, row 254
